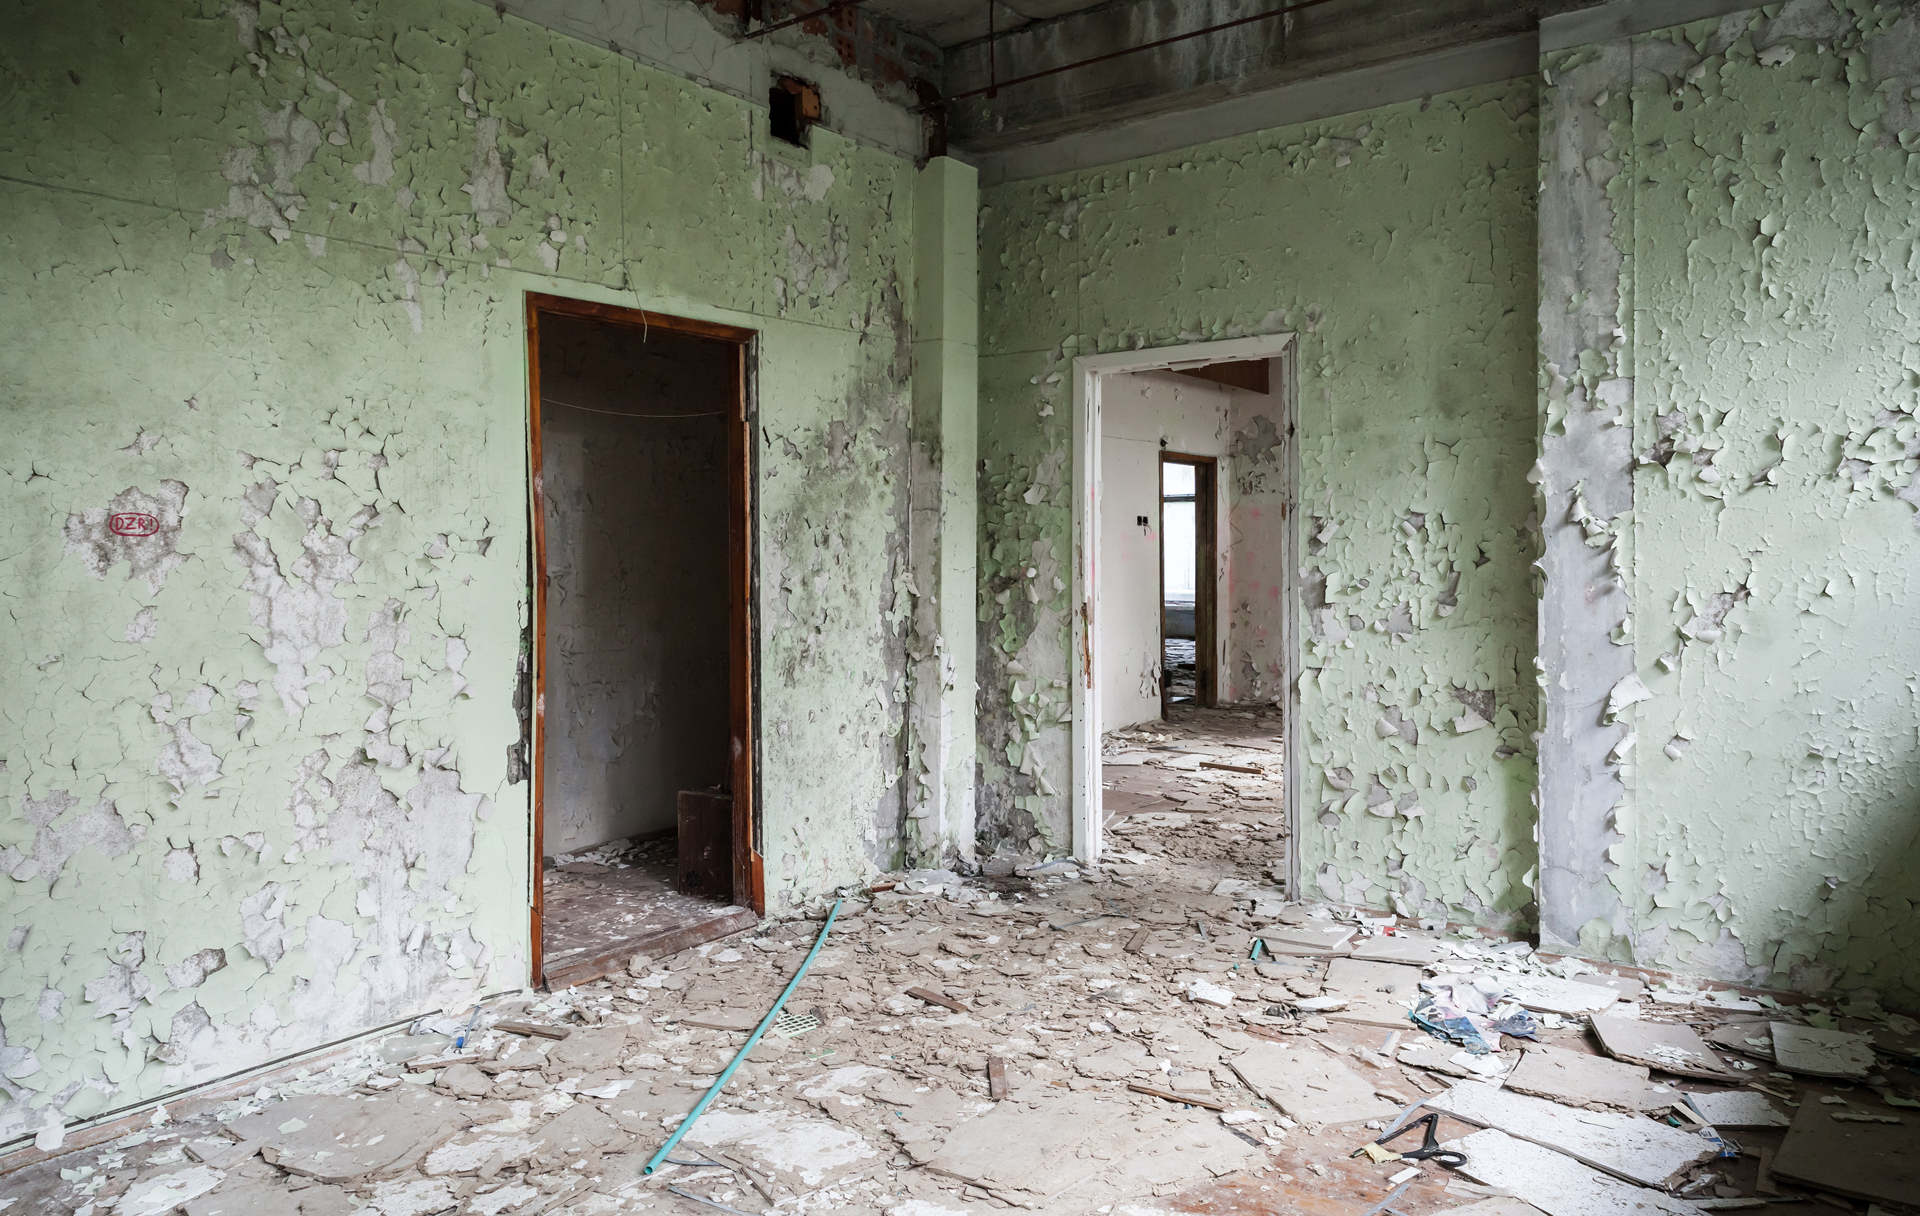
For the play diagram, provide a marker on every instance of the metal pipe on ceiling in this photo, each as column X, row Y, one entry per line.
column 992, row 89
column 827, row 11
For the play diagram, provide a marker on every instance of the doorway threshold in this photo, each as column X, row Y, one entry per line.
column 598, row 916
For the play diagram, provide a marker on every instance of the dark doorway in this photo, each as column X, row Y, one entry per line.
column 1188, row 524
column 643, row 739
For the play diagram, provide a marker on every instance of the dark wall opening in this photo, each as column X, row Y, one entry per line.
column 634, row 467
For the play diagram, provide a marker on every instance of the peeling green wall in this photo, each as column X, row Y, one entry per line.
column 1756, row 183
column 264, row 272
column 1399, row 244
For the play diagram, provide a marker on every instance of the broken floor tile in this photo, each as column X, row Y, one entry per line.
column 333, row 1138
column 1637, row 1149
column 1666, row 1046
column 796, row 1155
column 1821, row 1053
column 1309, row 1085
column 1555, row 1183
column 155, row 1196
column 1580, row 1079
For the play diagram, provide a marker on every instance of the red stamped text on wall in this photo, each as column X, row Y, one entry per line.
column 133, row 523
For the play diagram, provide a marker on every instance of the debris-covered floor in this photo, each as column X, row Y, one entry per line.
column 605, row 904
column 1165, row 1034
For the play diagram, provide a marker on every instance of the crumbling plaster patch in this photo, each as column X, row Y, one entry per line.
column 694, row 41
column 1403, row 241
column 315, row 707
column 1749, row 231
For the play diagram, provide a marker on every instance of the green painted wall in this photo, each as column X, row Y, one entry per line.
column 263, row 269
column 1761, row 186
column 1399, row 244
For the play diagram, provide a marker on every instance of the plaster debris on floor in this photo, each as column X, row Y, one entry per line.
column 923, row 607
column 1172, row 1035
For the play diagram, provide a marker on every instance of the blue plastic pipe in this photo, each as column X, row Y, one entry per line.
column 753, row 1040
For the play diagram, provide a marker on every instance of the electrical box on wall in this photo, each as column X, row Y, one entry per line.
column 794, row 106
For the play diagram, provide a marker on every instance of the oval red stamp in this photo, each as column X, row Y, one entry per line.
column 133, row 523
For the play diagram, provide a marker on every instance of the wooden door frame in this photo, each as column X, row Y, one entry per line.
column 749, row 872
column 1206, row 576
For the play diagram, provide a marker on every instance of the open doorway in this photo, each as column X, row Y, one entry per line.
column 1185, row 644
column 643, row 713
column 1189, row 658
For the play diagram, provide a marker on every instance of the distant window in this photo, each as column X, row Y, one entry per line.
column 1178, row 493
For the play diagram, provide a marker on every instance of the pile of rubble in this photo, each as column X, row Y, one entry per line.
column 1162, row 1034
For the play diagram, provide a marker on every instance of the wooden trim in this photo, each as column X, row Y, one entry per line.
column 748, row 868
column 200, row 1098
column 1206, row 585
column 614, row 960
column 537, row 762
column 748, row 872
column 1160, row 565
column 1206, row 559
column 1248, row 374
column 1290, row 597
column 638, row 318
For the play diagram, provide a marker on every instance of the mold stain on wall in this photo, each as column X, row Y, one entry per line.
column 267, row 494
column 1398, row 244
column 1753, row 181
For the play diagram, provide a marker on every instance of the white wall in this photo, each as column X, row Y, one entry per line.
column 636, row 511
column 1137, row 411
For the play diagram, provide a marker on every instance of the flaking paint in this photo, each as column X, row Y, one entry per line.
column 261, row 770
column 1398, row 244
column 1745, row 369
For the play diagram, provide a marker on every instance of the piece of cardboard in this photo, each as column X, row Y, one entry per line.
column 1878, row 1161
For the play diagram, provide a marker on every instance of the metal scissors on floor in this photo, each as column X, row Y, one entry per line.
column 1429, row 1149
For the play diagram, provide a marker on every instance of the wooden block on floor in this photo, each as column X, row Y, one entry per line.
column 706, row 844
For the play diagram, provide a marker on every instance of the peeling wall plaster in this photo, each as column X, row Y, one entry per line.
column 260, row 794
column 1729, row 407
column 869, row 77
column 1398, row 243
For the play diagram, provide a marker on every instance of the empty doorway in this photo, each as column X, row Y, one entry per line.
column 1189, row 657
column 643, row 711
column 1145, row 421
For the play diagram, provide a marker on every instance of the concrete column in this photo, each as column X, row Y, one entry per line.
column 945, row 505
column 1585, row 482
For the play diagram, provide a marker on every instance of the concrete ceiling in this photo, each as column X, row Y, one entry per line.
column 1337, row 36
column 948, row 23
column 1089, row 68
